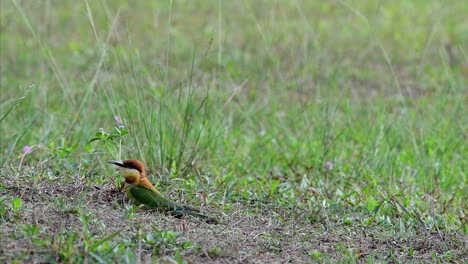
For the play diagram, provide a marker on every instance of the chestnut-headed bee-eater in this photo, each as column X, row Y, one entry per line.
column 140, row 190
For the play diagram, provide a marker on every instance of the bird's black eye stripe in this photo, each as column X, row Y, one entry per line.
column 129, row 164
column 117, row 164
column 133, row 168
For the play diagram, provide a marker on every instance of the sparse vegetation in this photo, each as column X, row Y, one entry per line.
column 326, row 131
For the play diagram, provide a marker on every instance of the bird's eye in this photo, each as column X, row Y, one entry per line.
column 133, row 165
column 133, row 168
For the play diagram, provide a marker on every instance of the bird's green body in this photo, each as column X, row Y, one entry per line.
column 154, row 200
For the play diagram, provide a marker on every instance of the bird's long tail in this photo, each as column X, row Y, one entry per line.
column 180, row 212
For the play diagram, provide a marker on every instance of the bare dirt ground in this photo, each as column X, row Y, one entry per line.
column 248, row 234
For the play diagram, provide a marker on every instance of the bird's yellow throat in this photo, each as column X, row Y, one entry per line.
column 132, row 176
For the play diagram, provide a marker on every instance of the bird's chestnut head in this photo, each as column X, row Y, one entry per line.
column 133, row 170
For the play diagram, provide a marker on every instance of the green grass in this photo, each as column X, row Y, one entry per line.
column 326, row 131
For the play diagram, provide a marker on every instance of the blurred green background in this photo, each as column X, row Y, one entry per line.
column 257, row 94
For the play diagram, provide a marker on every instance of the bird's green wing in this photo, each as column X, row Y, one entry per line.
column 150, row 198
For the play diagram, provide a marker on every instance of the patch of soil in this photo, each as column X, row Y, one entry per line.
column 247, row 234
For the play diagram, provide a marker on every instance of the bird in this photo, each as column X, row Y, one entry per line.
column 141, row 191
